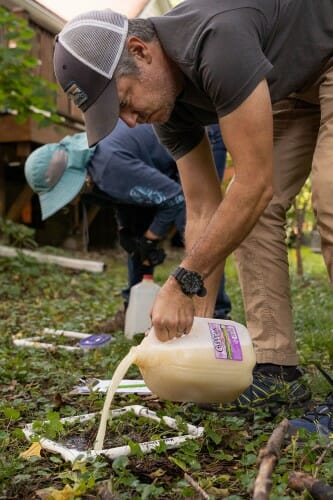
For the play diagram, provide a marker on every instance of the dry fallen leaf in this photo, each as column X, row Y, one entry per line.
column 33, row 451
column 53, row 494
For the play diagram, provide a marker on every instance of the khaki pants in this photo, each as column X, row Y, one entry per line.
column 303, row 144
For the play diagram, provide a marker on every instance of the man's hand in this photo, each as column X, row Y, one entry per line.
column 173, row 312
column 150, row 251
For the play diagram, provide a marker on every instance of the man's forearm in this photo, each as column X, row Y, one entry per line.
column 195, row 229
column 230, row 224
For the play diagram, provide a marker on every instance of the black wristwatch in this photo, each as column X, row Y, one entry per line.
column 191, row 283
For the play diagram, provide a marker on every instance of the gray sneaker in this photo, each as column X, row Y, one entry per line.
column 319, row 419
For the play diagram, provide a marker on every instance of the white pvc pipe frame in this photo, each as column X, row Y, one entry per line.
column 35, row 341
column 71, row 454
column 80, row 264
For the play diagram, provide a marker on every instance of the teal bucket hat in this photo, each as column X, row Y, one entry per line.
column 57, row 172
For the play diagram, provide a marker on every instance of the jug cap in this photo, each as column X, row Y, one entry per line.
column 147, row 277
column 95, row 340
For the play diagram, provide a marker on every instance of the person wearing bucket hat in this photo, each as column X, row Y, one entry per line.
column 263, row 70
column 132, row 171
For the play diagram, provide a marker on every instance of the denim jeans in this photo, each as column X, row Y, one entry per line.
column 218, row 148
column 137, row 220
column 223, row 303
column 135, row 271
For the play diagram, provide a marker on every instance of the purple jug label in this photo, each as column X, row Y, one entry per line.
column 225, row 342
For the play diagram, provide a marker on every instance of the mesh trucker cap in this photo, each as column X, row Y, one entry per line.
column 86, row 55
column 57, row 172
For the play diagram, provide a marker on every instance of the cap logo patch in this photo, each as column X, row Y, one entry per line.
column 75, row 93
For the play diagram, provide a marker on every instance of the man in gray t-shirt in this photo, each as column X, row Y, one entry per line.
column 263, row 70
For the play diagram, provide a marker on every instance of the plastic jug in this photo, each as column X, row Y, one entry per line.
column 142, row 295
column 213, row 363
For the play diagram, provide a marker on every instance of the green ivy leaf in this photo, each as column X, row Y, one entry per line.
column 11, row 413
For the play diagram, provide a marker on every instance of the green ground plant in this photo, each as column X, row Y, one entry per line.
column 36, row 384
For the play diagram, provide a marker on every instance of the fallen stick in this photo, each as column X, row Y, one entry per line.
column 196, row 486
column 80, row 264
column 267, row 459
column 299, row 481
column 322, row 456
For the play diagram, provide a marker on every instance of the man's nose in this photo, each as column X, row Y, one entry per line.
column 129, row 118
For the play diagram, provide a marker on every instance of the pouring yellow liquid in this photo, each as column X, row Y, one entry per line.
column 118, row 376
column 212, row 364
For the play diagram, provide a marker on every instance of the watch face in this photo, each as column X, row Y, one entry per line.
column 192, row 283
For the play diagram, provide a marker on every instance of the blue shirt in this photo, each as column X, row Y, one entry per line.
column 133, row 168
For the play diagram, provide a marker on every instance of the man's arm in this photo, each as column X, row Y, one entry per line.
column 216, row 228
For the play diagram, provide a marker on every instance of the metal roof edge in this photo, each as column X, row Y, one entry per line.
column 41, row 15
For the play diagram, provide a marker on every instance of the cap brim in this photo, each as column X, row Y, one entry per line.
column 63, row 192
column 101, row 117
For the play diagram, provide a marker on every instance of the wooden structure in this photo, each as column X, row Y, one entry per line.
column 17, row 141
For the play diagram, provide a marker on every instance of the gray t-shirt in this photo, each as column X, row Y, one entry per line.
column 226, row 47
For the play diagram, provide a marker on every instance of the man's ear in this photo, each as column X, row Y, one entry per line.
column 139, row 49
